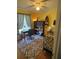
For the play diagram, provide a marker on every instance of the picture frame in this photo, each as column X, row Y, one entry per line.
column 54, row 22
column 46, row 20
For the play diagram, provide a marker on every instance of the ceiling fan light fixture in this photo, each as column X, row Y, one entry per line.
column 37, row 8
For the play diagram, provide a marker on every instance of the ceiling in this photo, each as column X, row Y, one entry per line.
column 30, row 5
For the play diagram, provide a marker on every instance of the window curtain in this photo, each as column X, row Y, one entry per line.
column 20, row 20
column 28, row 20
column 23, row 22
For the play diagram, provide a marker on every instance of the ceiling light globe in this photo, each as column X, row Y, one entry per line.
column 37, row 8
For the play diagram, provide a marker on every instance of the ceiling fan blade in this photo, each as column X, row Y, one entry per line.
column 32, row 0
column 44, row 6
column 44, row 0
column 30, row 6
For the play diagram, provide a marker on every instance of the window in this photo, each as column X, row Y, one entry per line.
column 23, row 22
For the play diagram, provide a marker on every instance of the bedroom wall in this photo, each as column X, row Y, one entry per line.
column 23, row 11
column 52, row 14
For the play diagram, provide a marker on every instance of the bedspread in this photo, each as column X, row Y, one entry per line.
column 31, row 48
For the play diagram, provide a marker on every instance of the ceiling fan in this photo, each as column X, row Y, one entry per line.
column 41, row 1
column 37, row 4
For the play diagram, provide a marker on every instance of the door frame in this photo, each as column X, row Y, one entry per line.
column 57, row 40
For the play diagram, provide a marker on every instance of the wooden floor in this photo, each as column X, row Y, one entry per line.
column 43, row 55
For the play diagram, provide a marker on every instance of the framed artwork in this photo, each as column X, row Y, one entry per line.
column 54, row 23
column 46, row 20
